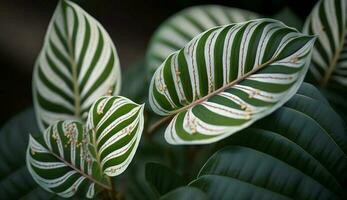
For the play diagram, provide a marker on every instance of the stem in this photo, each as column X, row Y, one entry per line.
column 152, row 129
column 73, row 67
column 332, row 65
column 81, row 172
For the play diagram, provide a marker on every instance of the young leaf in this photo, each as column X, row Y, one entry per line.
column 72, row 158
column 60, row 161
column 116, row 124
column 77, row 64
column 227, row 78
column 179, row 29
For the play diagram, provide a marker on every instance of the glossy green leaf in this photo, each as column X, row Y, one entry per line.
column 161, row 178
column 77, row 64
column 227, row 78
column 16, row 182
column 224, row 188
column 298, row 152
column 185, row 193
column 175, row 32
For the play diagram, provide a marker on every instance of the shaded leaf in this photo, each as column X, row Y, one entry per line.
column 175, row 32
column 329, row 58
column 298, row 152
column 161, row 178
column 185, row 193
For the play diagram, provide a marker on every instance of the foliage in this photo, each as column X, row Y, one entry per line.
column 227, row 78
column 214, row 74
column 77, row 64
column 297, row 152
column 329, row 60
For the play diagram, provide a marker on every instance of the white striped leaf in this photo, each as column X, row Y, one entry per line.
column 72, row 158
column 227, row 78
column 116, row 124
column 178, row 30
column 329, row 58
column 77, row 64
column 60, row 161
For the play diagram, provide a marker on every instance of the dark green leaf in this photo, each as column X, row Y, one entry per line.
column 185, row 193
column 161, row 178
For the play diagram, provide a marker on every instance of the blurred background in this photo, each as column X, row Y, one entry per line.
column 130, row 24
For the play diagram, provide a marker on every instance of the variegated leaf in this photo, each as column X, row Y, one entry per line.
column 60, row 161
column 77, row 64
column 179, row 29
column 116, row 125
column 227, row 78
column 329, row 58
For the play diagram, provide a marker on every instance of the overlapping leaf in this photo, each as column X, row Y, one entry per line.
column 298, row 152
column 329, row 58
column 227, row 78
column 179, row 29
column 116, row 124
column 73, row 158
column 60, row 161
column 77, row 64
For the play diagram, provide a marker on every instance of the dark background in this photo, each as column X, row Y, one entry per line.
column 130, row 23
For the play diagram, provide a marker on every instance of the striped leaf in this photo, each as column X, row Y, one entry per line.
column 77, row 64
column 60, row 161
column 227, row 78
column 178, row 30
column 116, row 124
column 329, row 58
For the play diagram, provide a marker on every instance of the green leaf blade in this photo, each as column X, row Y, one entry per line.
column 61, row 163
column 241, row 90
column 179, row 29
column 77, row 64
column 161, row 178
column 264, row 171
column 116, row 125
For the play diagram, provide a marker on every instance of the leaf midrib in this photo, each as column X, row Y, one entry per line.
column 73, row 64
column 332, row 64
column 80, row 171
column 221, row 89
